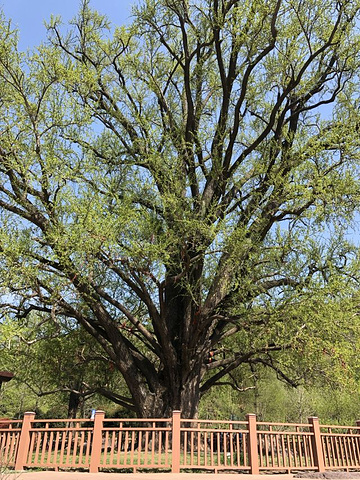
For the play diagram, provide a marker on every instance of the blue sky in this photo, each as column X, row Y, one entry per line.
column 29, row 15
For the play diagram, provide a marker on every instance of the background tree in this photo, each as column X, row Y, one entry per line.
column 60, row 361
column 181, row 188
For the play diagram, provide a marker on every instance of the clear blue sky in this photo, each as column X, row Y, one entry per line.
column 29, row 15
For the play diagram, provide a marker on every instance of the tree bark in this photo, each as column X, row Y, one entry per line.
column 74, row 404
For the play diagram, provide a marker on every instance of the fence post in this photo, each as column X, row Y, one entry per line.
column 97, row 441
column 316, row 442
column 24, row 441
column 175, row 444
column 253, row 444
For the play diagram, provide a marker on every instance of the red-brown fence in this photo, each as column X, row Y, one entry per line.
column 177, row 444
column 340, row 446
column 10, row 431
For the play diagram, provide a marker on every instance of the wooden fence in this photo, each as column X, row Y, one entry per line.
column 177, row 444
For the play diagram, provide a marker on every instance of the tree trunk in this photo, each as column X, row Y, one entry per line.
column 161, row 404
column 74, row 403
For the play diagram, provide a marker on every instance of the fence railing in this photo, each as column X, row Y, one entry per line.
column 340, row 446
column 177, row 444
column 10, row 431
column 214, row 445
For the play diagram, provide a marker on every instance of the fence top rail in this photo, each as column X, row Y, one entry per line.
column 9, row 423
column 342, row 427
column 214, row 422
column 138, row 420
column 215, row 430
column 337, row 435
column 137, row 429
column 285, row 432
column 62, row 420
column 61, row 429
column 9, row 430
column 279, row 424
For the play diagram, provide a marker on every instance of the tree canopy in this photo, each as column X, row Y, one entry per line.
column 182, row 189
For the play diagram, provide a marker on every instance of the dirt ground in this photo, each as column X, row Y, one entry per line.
column 51, row 475
column 328, row 475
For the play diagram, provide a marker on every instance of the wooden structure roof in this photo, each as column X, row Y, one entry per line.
column 5, row 376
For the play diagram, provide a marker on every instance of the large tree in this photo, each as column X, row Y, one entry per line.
column 181, row 188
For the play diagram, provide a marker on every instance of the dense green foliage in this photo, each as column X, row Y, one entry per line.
column 182, row 190
column 270, row 399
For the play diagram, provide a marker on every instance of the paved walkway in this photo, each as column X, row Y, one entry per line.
column 51, row 475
